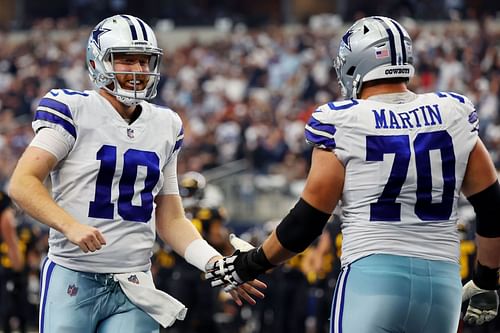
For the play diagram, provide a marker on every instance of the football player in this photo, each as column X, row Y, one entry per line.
column 398, row 161
column 112, row 157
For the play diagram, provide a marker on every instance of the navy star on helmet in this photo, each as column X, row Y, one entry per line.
column 123, row 34
column 96, row 33
column 373, row 48
column 346, row 39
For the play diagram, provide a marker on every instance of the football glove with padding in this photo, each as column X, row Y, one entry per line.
column 483, row 304
column 245, row 264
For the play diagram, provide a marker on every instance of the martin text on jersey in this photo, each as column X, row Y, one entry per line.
column 423, row 115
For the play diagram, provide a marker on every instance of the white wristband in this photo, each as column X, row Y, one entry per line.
column 199, row 252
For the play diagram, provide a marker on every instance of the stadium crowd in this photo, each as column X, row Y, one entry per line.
column 245, row 96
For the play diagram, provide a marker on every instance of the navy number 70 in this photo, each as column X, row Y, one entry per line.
column 386, row 208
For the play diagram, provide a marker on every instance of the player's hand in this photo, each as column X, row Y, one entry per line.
column 244, row 265
column 483, row 304
column 86, row 237
column 222, row 272
column 226, row 274
column 248, row 291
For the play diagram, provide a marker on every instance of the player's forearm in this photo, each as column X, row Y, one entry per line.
column 34, row 198
column 184, row 239
column 274, row 251
column 488, row 251
column 178, row 233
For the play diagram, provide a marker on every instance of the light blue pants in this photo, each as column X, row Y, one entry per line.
column 79, row 302
column 395, row 294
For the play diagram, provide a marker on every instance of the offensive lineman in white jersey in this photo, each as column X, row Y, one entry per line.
column 397, row 161
column 112, row 159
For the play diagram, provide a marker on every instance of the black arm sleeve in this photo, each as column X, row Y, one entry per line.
column 487, row 207
column 301, row 226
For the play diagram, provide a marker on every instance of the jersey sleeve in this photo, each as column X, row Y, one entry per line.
column 320, row 130
column 179, row 139
column 52, row 141
column 170, row 185
column 55, row 111
column 466, row 107
column 472, row 117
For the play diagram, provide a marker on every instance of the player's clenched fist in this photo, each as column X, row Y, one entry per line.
column 86, row 237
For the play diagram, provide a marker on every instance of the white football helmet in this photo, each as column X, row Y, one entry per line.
column 123, row 34
column 373, row 48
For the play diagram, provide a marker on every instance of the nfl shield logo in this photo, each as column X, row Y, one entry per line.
column 133, row 278
column 72, row 290
column 130, row 133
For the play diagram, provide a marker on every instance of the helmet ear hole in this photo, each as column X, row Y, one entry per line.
column 351, row 70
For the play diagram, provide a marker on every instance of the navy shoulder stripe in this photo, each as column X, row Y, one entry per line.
column 55, row 119
column 456, row 96
column 56, row 112
column 180, row 139
column 320, row 134
column 56, row 105
column 316, row 124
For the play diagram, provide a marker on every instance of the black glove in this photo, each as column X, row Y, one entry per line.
column 238, row 268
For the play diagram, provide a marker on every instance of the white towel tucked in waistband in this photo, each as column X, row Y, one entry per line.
column 140, row 290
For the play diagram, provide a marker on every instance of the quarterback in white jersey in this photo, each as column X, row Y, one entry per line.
column 112, row 160
column 396, row 161
column 112, row 170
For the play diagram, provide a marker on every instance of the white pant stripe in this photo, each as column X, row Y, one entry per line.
column 338, row 302
column 47, row 268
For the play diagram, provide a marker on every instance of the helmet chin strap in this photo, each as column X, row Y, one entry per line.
column 355, row 84
column 128, row 101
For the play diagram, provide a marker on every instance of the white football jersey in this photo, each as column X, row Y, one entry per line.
column 405, row 157
column 110, row 176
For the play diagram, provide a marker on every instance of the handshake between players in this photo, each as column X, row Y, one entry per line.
column 248, row 262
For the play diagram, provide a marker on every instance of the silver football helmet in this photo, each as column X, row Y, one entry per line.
column 123, row 34
column 373, row 48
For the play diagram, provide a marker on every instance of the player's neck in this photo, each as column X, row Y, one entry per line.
column 128, row 113
column 382, row 88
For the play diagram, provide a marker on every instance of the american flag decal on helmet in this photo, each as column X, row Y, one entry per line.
column 383, row 53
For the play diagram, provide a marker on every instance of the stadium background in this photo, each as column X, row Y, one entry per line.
column 244, row 76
